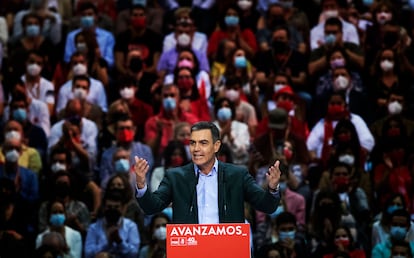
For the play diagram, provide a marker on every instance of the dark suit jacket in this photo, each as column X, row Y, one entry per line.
column 235, row 186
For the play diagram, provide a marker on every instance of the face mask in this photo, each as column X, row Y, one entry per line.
column 279, row 46
column 176, row 161
column 138, row 22
column 80, row 93
column 57, row 166
column 135, row 64
column 338, row 62
column 344, row 241
column 80, row 69
column 330, row 39
column 286, row 4
column 12, row 156
column 283, row 186
column 127, row 93
column 394, row 108
column 367, row 2
column 232, row 95
column 288, row 154
column 183, row 40
column 122, row 165
column 244, row 4
column 240, row 62
column 393, row 132
column 57, row 220
column 32, row 30
column 387, row 65
column 231, row 21
column 286, row 105
column 125, row 136
column 81, row 47
column 224, row 114
column 169, row 104
column 277, row 87
column 185, row 84
column 285, row 235
column 398, row 233
column 139, row 2
column 279, row 210
column 347, row 159
column 87, row 22
column 383, row 17
column 185, row 63
column 20, row 114
column 330, row 14
column 393, row 208
column 10, row 135
column 341, row 184
column 335, row 110
column 112, row 216
column 160, row 233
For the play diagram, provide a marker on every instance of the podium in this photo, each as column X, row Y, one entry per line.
column 208, row 240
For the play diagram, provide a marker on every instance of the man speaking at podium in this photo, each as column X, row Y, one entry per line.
column 207, row 191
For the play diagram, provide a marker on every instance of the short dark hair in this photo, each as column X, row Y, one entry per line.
column 215, row 133
column 333, row 21
column 115, row 195
column 81, row 77
column 32, row 15
column 340, row 164
column 59, row 149
column 87, row 5
column 122, row 118
column 285, row 217
column 402, row 243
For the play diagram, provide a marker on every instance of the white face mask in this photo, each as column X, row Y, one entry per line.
column 127, row 93
column 10, row 135
column 232, row 94
column 57, row 166
column 80, row 69
column 347, row 159
column 383, row 17
column 12, row 156
column 34, row 69
column 394, row 108
column 244, row 4
column 183, row 40
column 330, row 14
column 277, row 87
column 80, row 93
column 160, row 233
column 386, row 65
column 341, row 83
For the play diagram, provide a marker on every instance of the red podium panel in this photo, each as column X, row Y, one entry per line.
column 206, row 241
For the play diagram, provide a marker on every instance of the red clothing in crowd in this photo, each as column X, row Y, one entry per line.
column 219, row 35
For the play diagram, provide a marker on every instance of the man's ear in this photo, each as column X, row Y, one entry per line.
column 217, row 146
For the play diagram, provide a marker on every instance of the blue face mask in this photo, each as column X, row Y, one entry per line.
column 240, row 62
column 140, row 2
column 276, row 213
column 283, row 186
column 122, row 165
column 87, row 21
column 398, row 233
column 367, row 2
column 32, row 30
column 231, row 20
column 285, row 235
column 169, row 104
column 57, row 220
column 224, row 114
column 330, row 39
column 20, row 114
column 393, row 208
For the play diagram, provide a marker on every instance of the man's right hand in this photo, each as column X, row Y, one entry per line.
column 141, row 168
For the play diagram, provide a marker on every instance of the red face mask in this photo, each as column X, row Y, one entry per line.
column 126, row 136
column 138, row 22
column 287, row 153
column 176, row 161
column 342, row 241
column 341, row 184
column 286, row 105
column 335, row 110
column 393, row 131
column 185, row 83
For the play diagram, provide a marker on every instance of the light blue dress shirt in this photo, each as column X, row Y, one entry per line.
column 207, row 195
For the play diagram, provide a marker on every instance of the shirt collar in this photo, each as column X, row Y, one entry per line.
column 212, row 172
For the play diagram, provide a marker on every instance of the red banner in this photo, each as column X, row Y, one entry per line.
column 206, row 241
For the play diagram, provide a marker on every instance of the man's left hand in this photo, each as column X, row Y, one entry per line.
column 273, row 175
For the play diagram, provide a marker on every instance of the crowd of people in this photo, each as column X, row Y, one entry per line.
column 324, row 86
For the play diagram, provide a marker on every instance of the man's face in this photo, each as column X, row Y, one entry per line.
column 125, row 127
column 60, row 158
column 110, row 204
column 287, row 227
column 18, row 104
column 81, row 84
column 399, row 221
column 335, row 30
column 12, row 144
column 202, row 148
column 400, row 251
column 171, row 92
column 78, row 60
column 35, row 59
column 89, row 12
column 280, row 35
column 137, row 13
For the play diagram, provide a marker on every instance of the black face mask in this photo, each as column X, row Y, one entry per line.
column 112, row 216
column 276, row 21
column 135, row 64
column 62, row 189
column 279, row 46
